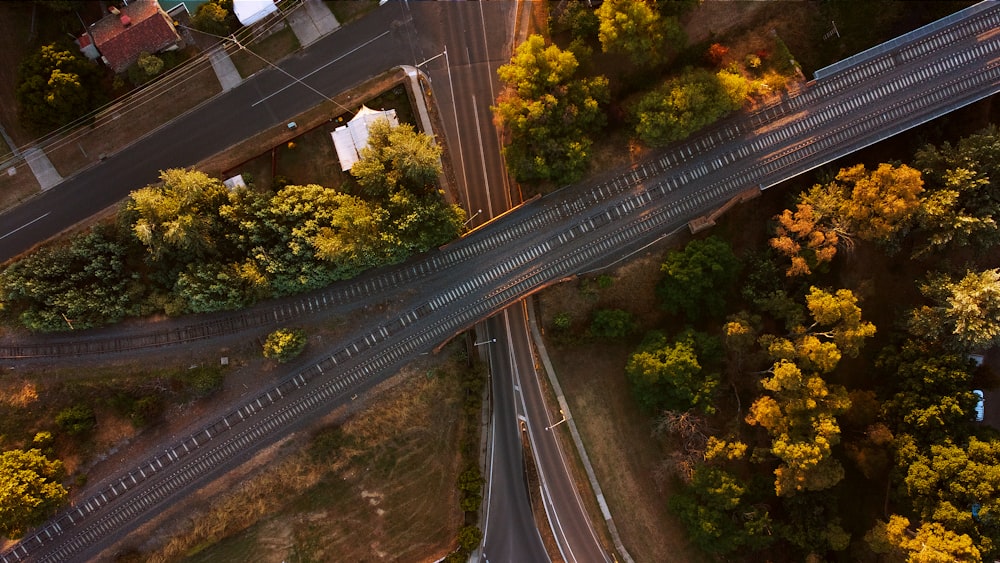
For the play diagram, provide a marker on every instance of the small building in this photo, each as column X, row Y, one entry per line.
column 351, row 138
column 139, row 27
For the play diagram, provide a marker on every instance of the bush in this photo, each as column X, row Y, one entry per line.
column 562, row 321
column 614, row 324
column 76, row 420
column 284, row 344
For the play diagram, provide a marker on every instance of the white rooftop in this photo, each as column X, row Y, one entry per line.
column 252, row 11
column 351, row 138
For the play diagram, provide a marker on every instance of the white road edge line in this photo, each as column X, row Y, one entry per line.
column 554, row 523
column 26, row 225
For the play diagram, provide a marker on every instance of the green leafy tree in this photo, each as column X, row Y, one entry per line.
column 285, row 344
column 549, row 111
column 83, row 284
column 668, row 375
column 580, row 20
column 961, row 206
column 29, row 490
column 397, row 158
column 715, row 510
column 614, row 324
column 697, row 279
column 681, row 106
column 964, row 314
column 420, row 222
column 812, row 525
column 305, row 237
column 635, row 29
column 213, row 286
column 932, row 399
column 55, row 86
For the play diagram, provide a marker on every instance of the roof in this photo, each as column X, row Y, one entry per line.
column 141, row 27
column 252, row 11
column 351, row 138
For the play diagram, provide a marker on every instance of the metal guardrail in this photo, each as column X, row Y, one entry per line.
column 911, row 37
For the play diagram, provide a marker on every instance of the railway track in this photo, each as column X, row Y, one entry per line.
column 554, row 238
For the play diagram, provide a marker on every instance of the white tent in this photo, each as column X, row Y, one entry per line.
column 252, row 11
column 351, row 138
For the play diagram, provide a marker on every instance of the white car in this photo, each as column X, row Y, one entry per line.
column 980, row 405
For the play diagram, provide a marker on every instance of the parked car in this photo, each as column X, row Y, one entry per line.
column 980, row 405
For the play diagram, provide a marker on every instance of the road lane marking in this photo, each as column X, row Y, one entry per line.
column 301, row 78
column 25, row 225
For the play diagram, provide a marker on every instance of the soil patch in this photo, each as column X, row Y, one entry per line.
column 617, row 437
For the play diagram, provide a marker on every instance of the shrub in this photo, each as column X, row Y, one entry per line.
column 614, row 324
column 77, row 419
column 284, row 344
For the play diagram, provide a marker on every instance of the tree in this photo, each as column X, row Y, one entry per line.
column 214, row 286
column 681, row 106
column 800, row 416
column 961, row 206
column 29, row 490
column 397, row 158
column 549, row 111
column 800, row 411
column 419, row 222
column 932, row 401
column 633, row 28
column 840, row 315
column 945, row 482
column 878, row 206
column 55, row 86
column 812, row 524
column 613, row 324
column 177, row 220
column 669, row 375
column 580, row 19
column 715, row 511
column 697, row 279
column 964, row 315
column 82, row 284
column 803, row 237
column 882, row 204
column 932, row 543
column 285, row 344
column 213, row 18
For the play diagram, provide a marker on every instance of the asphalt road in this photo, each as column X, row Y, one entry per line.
column 477, row 37
column 569, row 522
column 509, row 532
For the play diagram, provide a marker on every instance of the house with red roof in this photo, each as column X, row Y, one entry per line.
column 139, row 27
